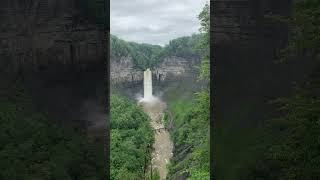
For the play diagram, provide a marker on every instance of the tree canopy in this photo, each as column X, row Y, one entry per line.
column 33, row 146
column 191, row 117
column 147, row 55
column 131, row 139
column 292, row 138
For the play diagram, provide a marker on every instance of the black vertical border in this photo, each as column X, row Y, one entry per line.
column 106, row 28
column 212, row 94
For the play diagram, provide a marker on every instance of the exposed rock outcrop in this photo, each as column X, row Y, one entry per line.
column 175, row 67
column 124, row 71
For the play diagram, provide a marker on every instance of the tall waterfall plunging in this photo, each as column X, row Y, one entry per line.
column 163, row 146
column 147, row 83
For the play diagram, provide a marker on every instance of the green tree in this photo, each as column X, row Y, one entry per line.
column 131, row 137
column 148, row 56
column 293, row 148
column 34, row 146
column 191, row 135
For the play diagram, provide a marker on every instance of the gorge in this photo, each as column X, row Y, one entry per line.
column 156, row 78
column 168, row 64
column 162, row 147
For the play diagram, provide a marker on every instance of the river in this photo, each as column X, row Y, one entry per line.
column 163, row 146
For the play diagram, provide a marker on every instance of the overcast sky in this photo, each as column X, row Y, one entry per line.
column 154, row 21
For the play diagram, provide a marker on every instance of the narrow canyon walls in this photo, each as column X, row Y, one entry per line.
column 123, row 69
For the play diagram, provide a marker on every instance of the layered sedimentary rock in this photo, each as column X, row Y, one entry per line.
column 172, row 71
column 123, row 69
column 175, row 67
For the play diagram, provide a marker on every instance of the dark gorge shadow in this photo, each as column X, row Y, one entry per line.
column 56, row 51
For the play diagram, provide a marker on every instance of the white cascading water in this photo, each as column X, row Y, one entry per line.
column 147, row 83
column 163, row 146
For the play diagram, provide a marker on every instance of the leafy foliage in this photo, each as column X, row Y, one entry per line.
column 183, row 47
column 191, row 119
column 143, row 55
column 305, row 24
column 147, row 55
column 293, row 148
column 191, row 137
column 204, row 44
column 131, row 139
column 292, row 151
column 35, row 147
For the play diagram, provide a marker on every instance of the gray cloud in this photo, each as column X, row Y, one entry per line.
column 154, row 21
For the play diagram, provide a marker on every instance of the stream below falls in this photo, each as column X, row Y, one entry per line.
column 163, row 146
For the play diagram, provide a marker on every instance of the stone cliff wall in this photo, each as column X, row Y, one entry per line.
column 171, row 68
column 122, row 70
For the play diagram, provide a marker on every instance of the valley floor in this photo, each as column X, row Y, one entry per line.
column 163, row 146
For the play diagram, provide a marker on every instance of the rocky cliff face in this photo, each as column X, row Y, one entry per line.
column 58, row 54
column 124, row 71
column 175, row 67
column 172, row 71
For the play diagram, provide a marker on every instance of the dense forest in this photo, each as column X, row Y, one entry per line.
column 33, row 146
column 147, row 55
column 143, row 55
column 131, row 139
column 189, row 118
column 288, row 145
column 293, row 151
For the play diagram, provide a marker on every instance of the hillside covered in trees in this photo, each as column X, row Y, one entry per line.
column 131, row 139
column 34, row 146
column 292, row 148
column 147, row 55
column 188, row 118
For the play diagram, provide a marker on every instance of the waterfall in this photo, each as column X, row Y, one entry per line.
column 147, row 83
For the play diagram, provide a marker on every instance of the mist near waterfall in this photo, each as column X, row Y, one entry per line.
column 147, row 88
column 94, row 117
column 149, row 100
